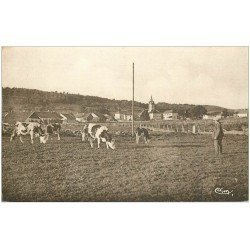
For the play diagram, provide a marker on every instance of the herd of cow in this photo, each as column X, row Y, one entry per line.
column 90, row 132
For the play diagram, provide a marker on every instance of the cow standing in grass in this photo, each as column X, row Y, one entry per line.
column 23, row 128
column 142, row 132
column 100, row 133
column 51, row 129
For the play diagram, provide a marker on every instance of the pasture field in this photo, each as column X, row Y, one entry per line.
column 172, row 167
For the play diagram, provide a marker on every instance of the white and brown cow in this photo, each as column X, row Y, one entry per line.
column 23, row 128
column 142, row 132
column 51, row 129
column 97, row 132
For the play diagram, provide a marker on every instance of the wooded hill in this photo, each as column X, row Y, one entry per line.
column 18, row 99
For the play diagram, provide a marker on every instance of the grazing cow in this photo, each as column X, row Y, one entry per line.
column 23, row 128
column 94, row 131
column 49, row 131
column 142, row 132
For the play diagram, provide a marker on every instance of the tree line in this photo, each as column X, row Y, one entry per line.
column 22, row 98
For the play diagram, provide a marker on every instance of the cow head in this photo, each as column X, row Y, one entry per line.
column 111, row 144
column 44, row 138
column 138, row 130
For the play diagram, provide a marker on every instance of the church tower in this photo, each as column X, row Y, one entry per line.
column 151, row 105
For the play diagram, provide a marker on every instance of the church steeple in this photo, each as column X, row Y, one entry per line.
column 151, row 99
column 151, row 105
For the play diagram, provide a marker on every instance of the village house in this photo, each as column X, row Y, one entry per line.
column 170, row 115
column 90, row 117
column 212, row 115
column 123, row 116
column 119, row 116
column 109, row 118
column 79, row 117
column 44, row 117
column 155, row 115
column 68, row 118
column 241, row 113
column 85, row 117
column 93, row 114
column 129, row 117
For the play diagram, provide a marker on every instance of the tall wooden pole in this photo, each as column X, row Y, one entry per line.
column 133, row 100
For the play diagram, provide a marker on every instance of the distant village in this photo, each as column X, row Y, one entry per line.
column 90, row 115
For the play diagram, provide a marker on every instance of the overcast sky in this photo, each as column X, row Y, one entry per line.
column 194, row 75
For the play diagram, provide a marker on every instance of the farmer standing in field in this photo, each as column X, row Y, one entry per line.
column 218, row 136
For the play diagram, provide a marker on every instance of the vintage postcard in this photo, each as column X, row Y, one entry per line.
column 124, row 124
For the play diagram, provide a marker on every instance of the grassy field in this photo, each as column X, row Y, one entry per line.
column 173, row 167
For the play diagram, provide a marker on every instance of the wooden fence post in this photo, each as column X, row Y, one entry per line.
column 199, row 129
column 194, row 129
column 182, row 128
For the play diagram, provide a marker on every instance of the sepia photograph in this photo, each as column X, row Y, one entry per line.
column 125, row 124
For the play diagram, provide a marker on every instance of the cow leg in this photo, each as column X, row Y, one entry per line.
column 83, row 136
column 137, row 138
column 146, row 139
column 91, row 142
column 14, row 134
column 58, row 136
column 107, row 145
column 20, row 138
column 98, row 142
column 32, row 137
